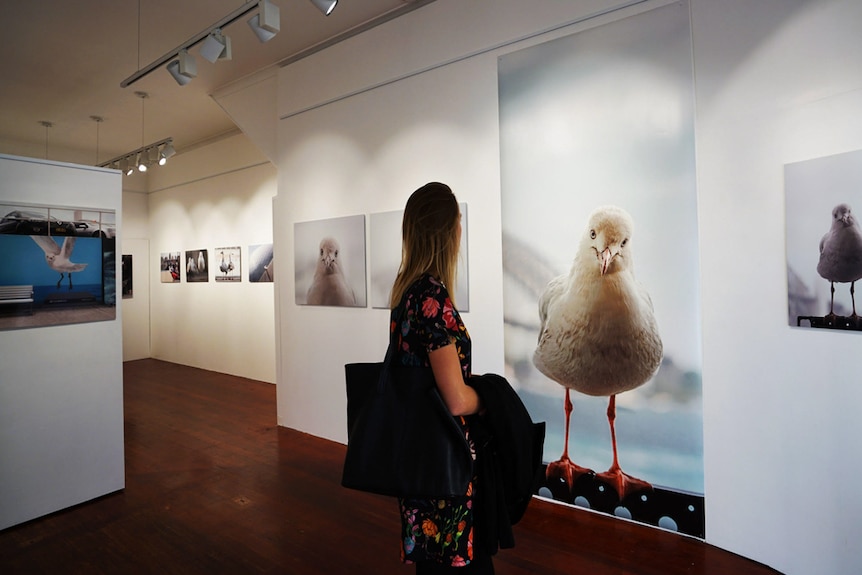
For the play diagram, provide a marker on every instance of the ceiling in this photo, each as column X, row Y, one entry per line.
column 65, row 61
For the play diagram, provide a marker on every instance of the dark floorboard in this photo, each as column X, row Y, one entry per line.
column 213, row 486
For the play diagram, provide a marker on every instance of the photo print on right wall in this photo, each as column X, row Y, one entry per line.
column 823, row 203
column 602, row 117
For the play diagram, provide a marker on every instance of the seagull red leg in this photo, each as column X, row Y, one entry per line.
column 565, row 469
column 622, row 482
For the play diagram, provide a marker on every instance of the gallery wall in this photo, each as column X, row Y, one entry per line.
column 219, row 195
column 61, row 387
column 776, row 82
column 135, row 242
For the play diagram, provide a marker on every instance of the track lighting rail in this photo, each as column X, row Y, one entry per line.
column 193, row 41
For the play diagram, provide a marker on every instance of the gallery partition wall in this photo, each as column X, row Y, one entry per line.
column 61, row 383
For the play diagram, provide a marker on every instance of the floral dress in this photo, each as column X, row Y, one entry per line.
column 439, row 530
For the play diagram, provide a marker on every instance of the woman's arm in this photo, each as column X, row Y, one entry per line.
column 460, row 398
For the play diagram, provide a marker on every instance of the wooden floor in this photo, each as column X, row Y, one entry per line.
column 214, row 486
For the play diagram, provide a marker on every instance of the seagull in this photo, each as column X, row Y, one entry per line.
column 226, row 266
column 598, row 333
column 841, row 254
column 57, row 257
column 329, row 286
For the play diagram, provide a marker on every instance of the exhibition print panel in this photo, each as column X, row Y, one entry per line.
column 600, row 257
column 824, row 241
column 329, row 260
column 59, row 266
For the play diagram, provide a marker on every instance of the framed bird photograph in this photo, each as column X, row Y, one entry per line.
column 600, row 263
column 197, row 266
column 385, row 248
column 260, row 265
column 128, row 283
column 228, row 268
column 824, row 241
column 329, row 260
column 59, row 266
column 169, row 267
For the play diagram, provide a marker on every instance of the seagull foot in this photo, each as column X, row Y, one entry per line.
column 623, row 483
column 566, row 471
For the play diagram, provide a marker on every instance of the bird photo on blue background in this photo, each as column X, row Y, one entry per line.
column 58, row 257
column 598, row 334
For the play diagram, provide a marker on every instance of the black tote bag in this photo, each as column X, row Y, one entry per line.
column 401, row 438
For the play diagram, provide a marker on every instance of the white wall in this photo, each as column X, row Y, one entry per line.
column 61, row 387
column 135, row 242
column 219, row 195
column 777, row 81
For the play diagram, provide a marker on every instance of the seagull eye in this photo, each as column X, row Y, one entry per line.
column 321, row 251
column 625, row 241
column 592, row 234
column 336, row 253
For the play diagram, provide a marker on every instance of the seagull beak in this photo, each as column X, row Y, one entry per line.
column 606, row 257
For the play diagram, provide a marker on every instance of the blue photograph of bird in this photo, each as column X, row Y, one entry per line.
column 59, row 257
column 599, row 334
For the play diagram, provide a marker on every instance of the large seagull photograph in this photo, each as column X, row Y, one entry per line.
column 600, row 261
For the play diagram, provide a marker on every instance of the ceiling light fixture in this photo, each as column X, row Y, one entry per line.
column 325, row 6
column 142, row 167
column 47, row 125
column 216, row 47
column 267, row 22
column 98, row 120
column 166, row 153
column 128, row 162
column 174, row 58
column 184, row 68
column 145, row 156
column 174, row 70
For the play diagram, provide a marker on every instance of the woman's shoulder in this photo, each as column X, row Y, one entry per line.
column 426, row 284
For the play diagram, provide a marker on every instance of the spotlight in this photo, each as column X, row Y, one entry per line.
column 167, row 152
column 142, row 166
column 184, row 68
column 174, row 69
column 153, row 155
column 325, row 6
column 123, row 165
column 216, row 47
column 267, row 22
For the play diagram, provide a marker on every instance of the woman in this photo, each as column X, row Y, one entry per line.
column 437, row 534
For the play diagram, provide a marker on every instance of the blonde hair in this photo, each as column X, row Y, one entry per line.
column 429, row 239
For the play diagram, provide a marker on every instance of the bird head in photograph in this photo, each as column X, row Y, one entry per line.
column 329, row 285
column 605, row 241
column 328, row 258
